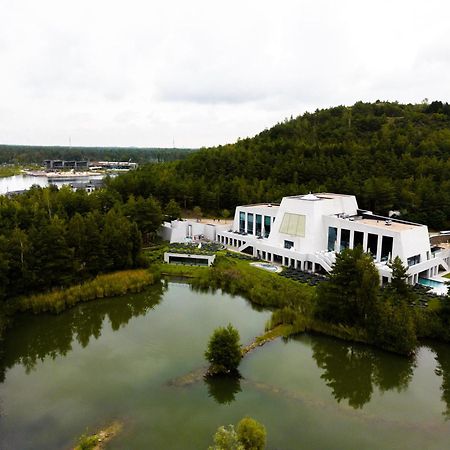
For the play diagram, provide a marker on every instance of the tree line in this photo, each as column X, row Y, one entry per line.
column 391, row 156
column 53, row 238
column 28, row 154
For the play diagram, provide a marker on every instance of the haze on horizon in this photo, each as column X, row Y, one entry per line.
column 139, row 73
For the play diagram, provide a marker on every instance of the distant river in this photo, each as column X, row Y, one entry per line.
column 23, row 182
column 116, row 359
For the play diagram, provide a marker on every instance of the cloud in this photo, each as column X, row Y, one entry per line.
column 205, row 73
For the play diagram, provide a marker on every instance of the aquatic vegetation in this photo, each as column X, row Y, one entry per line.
column 109, row 285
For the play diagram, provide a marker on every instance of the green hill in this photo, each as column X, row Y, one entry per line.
column 391, row 156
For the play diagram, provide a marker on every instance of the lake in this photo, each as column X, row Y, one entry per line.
column 23, row 182
column 118, row 359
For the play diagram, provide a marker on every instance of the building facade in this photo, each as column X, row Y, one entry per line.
column 306, row 232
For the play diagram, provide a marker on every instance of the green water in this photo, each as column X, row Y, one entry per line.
column 117, row 359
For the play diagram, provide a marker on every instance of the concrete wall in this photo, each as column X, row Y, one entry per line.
column 187, row 257
column 180, row 230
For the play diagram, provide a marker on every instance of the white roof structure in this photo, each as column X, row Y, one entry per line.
column 306, row 231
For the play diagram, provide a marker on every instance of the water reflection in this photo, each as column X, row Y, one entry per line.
column 223, row 388
column 197, row 286
column 352, row 370
column 37, row 340
column 443, row 370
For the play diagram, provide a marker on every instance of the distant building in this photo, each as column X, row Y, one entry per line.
column 114, row 165
column 89, row 187
column 59, row 164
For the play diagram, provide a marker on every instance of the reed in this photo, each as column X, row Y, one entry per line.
column 108, row 285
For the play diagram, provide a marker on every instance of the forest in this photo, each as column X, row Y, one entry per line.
column 391, row 156
column 27, row 154
column 53, row 238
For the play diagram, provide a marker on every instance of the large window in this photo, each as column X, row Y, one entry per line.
column 277, row 259
column 288, row 244
column 266, row 226
column 258, row 225
column 250, row 223
column 293, row 224
column 358, row 239
column 242, row 222
column 386, row 248
column 345, row 239
column 414, row 260
column 332, row 237
column 372, row 243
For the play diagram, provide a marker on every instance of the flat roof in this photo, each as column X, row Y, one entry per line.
column 394, row 226
column 261, row 205
column 319, row 196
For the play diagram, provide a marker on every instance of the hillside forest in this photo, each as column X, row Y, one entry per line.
column 391, row 156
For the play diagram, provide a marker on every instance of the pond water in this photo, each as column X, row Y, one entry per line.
column 117, row 359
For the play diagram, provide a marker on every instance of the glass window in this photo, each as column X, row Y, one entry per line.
column 414, row 260
column 258, row 225
column 288, row 244
column 293, row 224
column 358, row 239
column 278, row 259
column 345, row 239
column 250, row 223
column 242, row 222
column 267, row 222
column 372, row 243
column 386, row 248
column 332, row 237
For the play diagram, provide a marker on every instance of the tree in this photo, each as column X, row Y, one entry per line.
column 51, row 258
column 224, row 351
column 351, row 293
column 197, row 212
column 225, row 213
column 173, row 210
column 4, row 266
column 19, row 257
column 399, row 285
column 393, row 327
column 251, row 434
column 248, row 435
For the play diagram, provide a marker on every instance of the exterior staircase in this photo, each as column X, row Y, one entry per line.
column 325, row 259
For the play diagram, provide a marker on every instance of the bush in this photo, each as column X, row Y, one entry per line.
column 251, row 434
column 226, row 438
column 87, row 442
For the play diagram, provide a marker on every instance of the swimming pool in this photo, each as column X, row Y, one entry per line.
column 438, row 286
column 267, row 266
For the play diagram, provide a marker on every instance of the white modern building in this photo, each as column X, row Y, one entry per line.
column 187, row 230
column 306, row 232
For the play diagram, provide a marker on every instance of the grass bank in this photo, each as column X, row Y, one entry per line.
column 108, row 285
column 9, row 171
column 263, row 288
column 179, row 270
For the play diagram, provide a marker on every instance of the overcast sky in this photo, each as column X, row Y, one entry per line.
column 202, row 73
